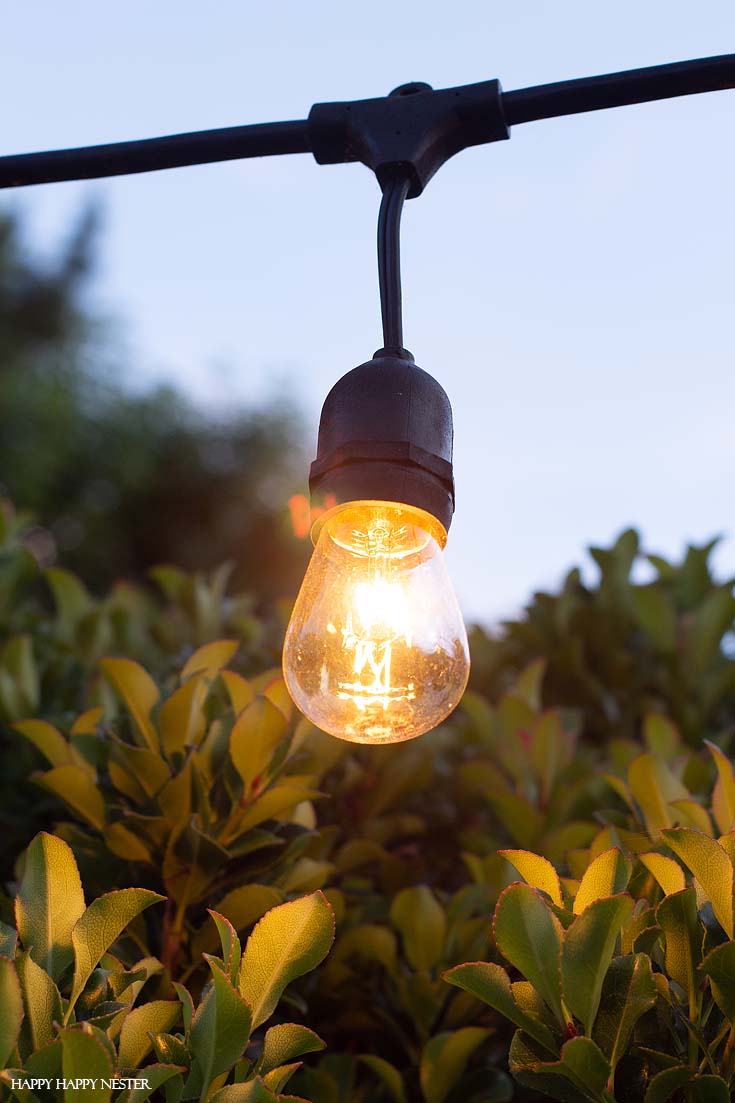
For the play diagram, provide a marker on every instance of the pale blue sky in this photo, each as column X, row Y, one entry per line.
column 572, row 288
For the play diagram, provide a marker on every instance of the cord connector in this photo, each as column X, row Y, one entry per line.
column 415, row 128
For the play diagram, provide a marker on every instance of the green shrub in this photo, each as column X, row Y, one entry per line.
column 617, row 649
column 53, row 633
column 79, row 1002
column 179, row 766
column 627, row 963
column 191, row 793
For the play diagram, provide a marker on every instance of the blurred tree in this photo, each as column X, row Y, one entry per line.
column 121, row 481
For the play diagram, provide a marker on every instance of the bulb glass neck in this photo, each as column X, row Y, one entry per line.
column 392, row 529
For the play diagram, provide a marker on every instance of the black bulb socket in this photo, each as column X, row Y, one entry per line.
column 386, row 434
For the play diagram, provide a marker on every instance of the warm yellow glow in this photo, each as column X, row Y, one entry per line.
column 376, row 650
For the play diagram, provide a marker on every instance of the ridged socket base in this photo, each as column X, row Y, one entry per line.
column 386, row 434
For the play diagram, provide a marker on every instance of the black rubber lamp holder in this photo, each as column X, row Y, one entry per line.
column 386, row 431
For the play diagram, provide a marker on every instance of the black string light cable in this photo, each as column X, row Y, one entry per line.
column 525, row 105
column 389, row 262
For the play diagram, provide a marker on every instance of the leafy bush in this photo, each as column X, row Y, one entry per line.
column 627, row 964
column 49, row 660
column 618, row 649
column 157, row 738
column 188, row 793
column 79, row 1003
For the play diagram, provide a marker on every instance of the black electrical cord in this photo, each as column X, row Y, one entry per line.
column 657, row 82
column 682, row 78
column 150, row 154
column 389, row 261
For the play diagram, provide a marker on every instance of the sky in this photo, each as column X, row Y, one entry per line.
column 572, row 288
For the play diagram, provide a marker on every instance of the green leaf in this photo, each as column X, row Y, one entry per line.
column 21, row 672
column 210, row 658
column 100, row 926
column 174, row 800
column 274, row 802
column 23, row 1095
column 120, row 840
column 641, row 934
column 126, row 985
column 287, row 942
column 48, row 740
column 691, row 814
column 275, row 691
column 628, row 991
column 607, row 875
column 242, row 907
column 489, row 982
column 11, row 1009
column 306, row 875
column 667, row 872
column 75, row 787
column 230, row 944
column 368, row 942
column 655, row 613
column 661, row 735
column 138, row 691
column 254, row 1091
column 719, row 966
column 71, row 598
column 8, row 939
column 286, row 1041
column 536, row 871
column 709, row 1089
column 589, row 944
column 187, row 1005
column 711, row 866
column 155, row 1077
column 529, row 935
column 49, row 902
column 45, row 1063
column 521, row 819
column 444, row 1059
column 551, row 750
column 84, row 1058
column 422, row 924
column 723, row 797
column 527, row 686
column 170, row 1050
column 239, row 690
column 678, row 919
column 41, row 998
column 654, row 786
column 582, row 1063
column 388, row 1074
column 220, row 1031
column 277, row 1078
column 151, row 1018
column 667, row 1082
column 146, row 769
column 712, row 619
column 525, row 1062
column 181, row 719
column 255, row 734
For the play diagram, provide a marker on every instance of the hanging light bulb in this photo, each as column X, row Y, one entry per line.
column 376, row 650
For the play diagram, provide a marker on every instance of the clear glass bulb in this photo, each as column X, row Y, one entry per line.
column 376, row 649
